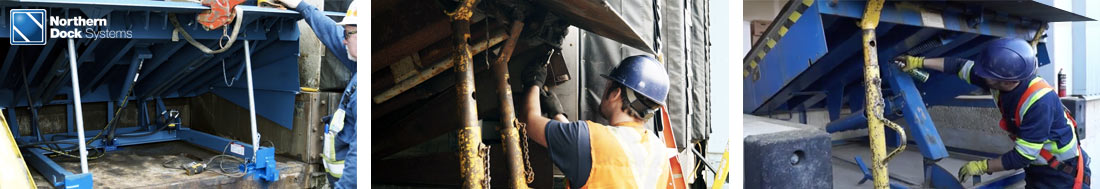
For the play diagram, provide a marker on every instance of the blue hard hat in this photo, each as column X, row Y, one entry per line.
column 644, row 75
column 1007, row 59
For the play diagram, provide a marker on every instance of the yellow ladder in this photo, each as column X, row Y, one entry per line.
column 18, row 175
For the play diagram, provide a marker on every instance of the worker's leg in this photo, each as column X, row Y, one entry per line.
column 1042, row 176
column 331, row 180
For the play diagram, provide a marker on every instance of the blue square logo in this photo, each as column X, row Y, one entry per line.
column 28, row 26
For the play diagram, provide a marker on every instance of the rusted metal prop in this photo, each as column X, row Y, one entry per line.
column 469, row 137
column 510, row 132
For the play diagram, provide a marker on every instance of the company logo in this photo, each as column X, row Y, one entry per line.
column 28, row 26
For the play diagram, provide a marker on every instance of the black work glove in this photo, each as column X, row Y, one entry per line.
column 550, row 104
column 534, row 75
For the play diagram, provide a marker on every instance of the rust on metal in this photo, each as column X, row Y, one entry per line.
column 472, row 165
column 874, row 104
column 434, row 70
column 510, row 133
column 409, row 45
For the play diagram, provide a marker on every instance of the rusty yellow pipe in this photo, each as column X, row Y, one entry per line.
column 469, row 138
column 509, row 131
column 874, row 102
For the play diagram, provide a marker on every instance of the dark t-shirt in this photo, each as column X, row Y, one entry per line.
column 570, row 149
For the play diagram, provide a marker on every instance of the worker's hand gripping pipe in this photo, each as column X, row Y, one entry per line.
column 874, row 103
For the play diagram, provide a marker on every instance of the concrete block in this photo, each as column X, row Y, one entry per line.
column 781, row 154
column 1076, row 106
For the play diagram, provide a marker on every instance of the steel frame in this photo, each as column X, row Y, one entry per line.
column 809, row 58
column 168, row 69
column 262, row 164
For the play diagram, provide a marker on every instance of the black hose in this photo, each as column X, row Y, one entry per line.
column 46, row 142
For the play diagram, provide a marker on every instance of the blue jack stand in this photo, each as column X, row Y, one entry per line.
column 263, row 167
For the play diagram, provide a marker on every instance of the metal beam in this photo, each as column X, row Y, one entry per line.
column 434, row 70
column 470, row 146
column 409, row 44
column 203, row 68
column 874, row 103
column 89, row 53
column 411, row 129
column 154, row 85
column 52, row 82
column 7, row 64
column 820, row 69
column 41, row 58
column 162, row 54
column 509, row 131
column 106, row 66
column 204, row 80
column 916, row 114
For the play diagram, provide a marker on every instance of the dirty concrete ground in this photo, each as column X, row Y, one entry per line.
column 141, row 166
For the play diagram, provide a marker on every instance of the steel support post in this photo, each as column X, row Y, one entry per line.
column 510, row 131
column 79, row 110
column 469, row 138
column 251, row 99
column 874, row 104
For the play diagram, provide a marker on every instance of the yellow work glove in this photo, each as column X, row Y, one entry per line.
column 973, row 168
column 911, row 62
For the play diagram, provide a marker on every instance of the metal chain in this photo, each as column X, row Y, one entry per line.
column 225, row 35
column 527, row 170
column 488, row 177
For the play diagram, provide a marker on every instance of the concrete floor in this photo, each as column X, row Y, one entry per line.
column 141, row 166
column 905, row 169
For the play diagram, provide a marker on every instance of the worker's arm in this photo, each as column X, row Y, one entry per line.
column 959, row 67
column 568, row 143
column 561, row 118
column 330, row 34
column 550, row 106
column 934, row 64
column 1034, row 132
column 536, row 124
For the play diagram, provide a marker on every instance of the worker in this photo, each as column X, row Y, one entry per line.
column 1046, row 141
column 339, row 151
column 623, row 154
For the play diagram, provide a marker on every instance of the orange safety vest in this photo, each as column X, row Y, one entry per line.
column 1036, row 89
column 627, row 156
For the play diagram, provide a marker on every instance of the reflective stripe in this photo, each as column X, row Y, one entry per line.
column 1031, row 100
column 1035, row 90
column 964, row 73
column 1028, row 149
column 337, row 122
column 335, row 165
column 328, row 153
column 1065, row 148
